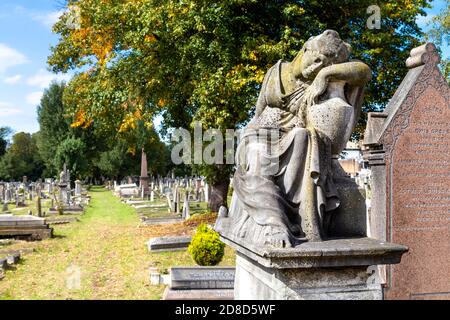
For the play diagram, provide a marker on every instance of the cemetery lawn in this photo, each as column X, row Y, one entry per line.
column 108, row 246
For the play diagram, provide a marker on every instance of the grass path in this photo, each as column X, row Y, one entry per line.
column 109, row 249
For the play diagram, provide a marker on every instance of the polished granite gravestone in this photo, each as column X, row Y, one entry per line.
column 168, row 243
column 409, row 154
column 200, row 283
column 27, row 227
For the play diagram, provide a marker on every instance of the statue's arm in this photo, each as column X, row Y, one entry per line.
column 355, row 73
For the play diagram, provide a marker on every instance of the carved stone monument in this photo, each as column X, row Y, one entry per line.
column 409, row 154
column 143, row 180
column 296, row 220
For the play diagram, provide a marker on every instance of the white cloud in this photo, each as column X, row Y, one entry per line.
column 43, row 78
column 13, row 79
column 10, row 57
column 34, row 98
column 48, row 19
column 7, row 109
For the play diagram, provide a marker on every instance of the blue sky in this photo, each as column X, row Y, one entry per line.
column 25, row 40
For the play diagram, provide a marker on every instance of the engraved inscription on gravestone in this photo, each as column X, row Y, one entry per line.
column 423, row 168
column 202, row 277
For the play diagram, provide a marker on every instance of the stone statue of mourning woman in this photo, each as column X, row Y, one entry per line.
column 289, row 187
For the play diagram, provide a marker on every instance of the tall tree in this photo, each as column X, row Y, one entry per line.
column 57, row 133
column 21, row 158
column 72, row 152
column 205, row 60
column 4, row 133
column 54, row 126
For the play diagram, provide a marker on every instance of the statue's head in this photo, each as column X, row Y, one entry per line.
column 319, row 52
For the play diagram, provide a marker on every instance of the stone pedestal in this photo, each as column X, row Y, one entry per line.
column 328, row 270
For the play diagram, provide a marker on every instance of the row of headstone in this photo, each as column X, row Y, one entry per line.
column 198, row 187
column 174, row 193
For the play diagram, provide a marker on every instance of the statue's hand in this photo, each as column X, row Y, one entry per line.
column 317, row 88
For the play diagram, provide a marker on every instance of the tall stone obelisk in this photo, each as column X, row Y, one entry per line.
column 143, row 182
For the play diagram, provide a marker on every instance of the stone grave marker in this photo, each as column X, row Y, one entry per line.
column 169, row 243
column 186, row 210
column 28, row 227
column 202, row 278
column 409, row 153
column 201, row 283
column 159, row 221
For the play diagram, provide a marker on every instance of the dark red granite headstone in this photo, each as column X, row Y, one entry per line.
column 416, row 139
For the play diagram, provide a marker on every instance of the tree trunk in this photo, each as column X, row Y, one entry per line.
column 218, row 196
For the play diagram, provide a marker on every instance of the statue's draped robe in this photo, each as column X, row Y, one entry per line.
column 283, row 181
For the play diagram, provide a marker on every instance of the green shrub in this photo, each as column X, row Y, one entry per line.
column 206, row 248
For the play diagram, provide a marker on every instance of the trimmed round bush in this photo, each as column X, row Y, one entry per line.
column 206, row 248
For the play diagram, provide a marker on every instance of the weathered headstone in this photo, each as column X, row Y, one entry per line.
column 169, row 243
column 202, row 278
column 409, row 153
column 206, row 190
column 128, row 190
column 78, row 188
column 186, row 210
column 39, row 207
column 201, row 283
column 159, row 221
column 28, row 227
column 152, row 196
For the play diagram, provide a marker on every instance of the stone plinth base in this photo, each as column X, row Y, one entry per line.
column 256, row 282
column 328, row 270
